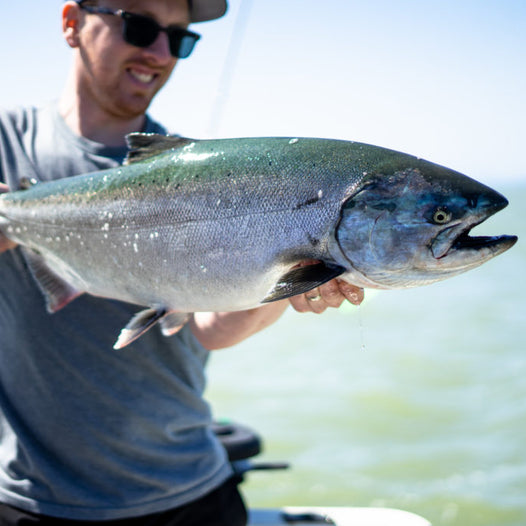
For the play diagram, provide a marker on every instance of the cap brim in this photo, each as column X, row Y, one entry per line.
column 204, row 10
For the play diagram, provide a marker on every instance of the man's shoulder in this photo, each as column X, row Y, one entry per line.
column 16, row 125
column 20, row 118
column 22, row 130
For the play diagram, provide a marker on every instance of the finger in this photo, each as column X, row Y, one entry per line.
column 3, row 188
column 309, row 302
column 300, row 303
column 352, row 293
column 331, row 294
column 315, row 301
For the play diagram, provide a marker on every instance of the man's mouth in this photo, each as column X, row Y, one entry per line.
column 142, row 77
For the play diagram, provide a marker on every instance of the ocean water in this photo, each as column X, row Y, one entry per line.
column 415, row 400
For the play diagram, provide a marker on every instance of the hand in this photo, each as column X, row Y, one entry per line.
column 5, row 243
column 330, row 294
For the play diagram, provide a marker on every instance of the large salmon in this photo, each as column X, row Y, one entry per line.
column 221, row 225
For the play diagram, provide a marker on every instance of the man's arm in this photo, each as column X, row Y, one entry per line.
column 217, row 330
column 5, row 244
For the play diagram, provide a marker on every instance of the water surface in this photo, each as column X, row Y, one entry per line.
column 415, row 400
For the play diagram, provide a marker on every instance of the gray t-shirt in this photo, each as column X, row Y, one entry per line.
column 87, row 432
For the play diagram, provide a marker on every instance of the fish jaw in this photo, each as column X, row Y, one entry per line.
column 455, row 242
column 470, row 252
column 412, row 228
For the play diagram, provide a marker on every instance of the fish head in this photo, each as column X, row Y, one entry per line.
column 411, row 227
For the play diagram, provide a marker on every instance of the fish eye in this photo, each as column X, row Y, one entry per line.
column 441, row 216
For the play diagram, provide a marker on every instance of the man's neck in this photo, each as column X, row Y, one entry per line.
column 94, row 123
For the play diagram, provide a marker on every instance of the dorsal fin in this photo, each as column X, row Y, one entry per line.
column 145, row 145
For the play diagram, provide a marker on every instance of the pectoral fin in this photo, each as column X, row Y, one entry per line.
column 302, row 279
column 56, row 291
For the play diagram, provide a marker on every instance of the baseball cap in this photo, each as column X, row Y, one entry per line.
column 204, row 10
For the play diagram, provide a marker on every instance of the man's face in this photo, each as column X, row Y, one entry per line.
column 119, row 78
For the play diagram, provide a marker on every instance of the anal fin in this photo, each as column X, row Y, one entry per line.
column 302, row 279
column 170, row 321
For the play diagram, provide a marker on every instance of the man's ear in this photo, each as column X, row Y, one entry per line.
column 71, row 23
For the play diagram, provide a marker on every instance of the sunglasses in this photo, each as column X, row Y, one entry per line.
column 142, row 31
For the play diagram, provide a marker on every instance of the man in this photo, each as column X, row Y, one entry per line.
column 89, row 435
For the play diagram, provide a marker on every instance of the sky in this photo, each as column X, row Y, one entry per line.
column 441, row 79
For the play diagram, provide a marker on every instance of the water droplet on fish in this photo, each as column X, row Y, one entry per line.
column 135, row 247
column 105, row 227
column 293, row 141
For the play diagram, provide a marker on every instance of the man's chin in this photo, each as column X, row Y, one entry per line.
column 133, row 107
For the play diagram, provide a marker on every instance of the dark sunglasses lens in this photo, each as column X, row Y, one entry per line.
column 142, row 31
column 139, row 30
column 181, row 44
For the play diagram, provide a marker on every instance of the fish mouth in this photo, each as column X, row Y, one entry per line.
column 465, row 241
column 455, row 242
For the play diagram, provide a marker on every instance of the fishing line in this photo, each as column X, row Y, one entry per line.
column 229, row 65
column 361, row 328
